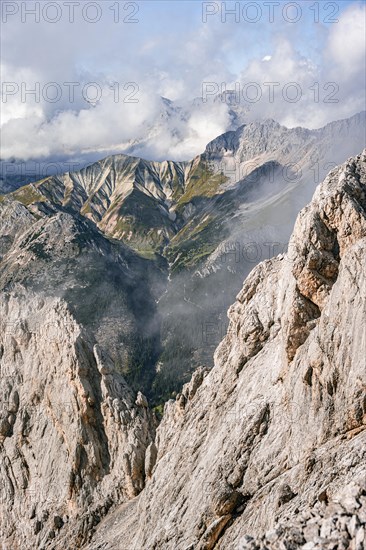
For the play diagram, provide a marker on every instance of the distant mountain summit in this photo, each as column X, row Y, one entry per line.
column 147, row 203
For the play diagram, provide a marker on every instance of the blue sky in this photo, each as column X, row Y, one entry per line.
column 170, row 51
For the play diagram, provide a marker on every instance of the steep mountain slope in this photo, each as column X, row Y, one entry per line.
column 137, row 200
column 276, row 171
column 73, row 437
column 202, row 224
column 109, row 289
column 128, row 198
column 168, row 127
column 279, row 422
column 266, row 160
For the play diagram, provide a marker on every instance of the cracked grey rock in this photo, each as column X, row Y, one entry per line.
column 65, row 458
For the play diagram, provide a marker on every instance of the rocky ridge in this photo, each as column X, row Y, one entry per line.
column 109, row 289
column 200, row 226
column 146, row 203
column 73, row 436
column 279, row 423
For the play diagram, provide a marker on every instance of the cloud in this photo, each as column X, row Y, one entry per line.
column 171, row 54
column 312, row 91
column 347, row 43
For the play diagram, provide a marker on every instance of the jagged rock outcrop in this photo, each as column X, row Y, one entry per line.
column 337, row 524
column 279, row 423
column 73, row 436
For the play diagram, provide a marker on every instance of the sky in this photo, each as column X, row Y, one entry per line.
column 98, row 70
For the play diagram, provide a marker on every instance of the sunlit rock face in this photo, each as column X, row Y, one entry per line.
column 73, row 436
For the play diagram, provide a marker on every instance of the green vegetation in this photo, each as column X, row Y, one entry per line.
column 194, row 243
column 159, row 410
column 202, row 183
column 175, row 360
column 146, row 254
column 85, row 209
column 140, row 224
column 139, row 370
column 27, row 195
column 146, row 242
column 191, row 229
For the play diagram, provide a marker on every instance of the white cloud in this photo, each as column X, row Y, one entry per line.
column 347, row 42
column 173, row 65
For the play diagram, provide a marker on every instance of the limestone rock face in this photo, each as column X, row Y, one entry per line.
column 279, row 423
column 72, row 438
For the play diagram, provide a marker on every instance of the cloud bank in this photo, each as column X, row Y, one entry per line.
column 71, row 89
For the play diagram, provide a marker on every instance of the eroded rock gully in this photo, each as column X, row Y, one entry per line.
column 244, row 454
column 72, row 437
